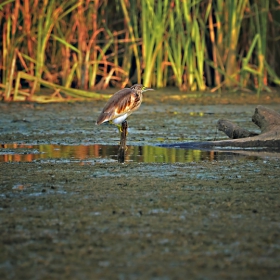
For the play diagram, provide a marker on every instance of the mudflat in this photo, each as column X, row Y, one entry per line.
column 98, row 219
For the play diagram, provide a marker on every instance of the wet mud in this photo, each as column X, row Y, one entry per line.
column 93, row 218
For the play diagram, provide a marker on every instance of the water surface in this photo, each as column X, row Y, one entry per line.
column 148, row 154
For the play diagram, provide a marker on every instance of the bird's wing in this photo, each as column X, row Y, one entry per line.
column 120, row 103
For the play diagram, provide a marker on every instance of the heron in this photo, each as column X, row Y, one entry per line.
column 121, row 105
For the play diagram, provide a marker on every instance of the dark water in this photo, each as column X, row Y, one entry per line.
column 97, row 152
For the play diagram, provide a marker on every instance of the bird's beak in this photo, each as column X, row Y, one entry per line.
column 146, row 89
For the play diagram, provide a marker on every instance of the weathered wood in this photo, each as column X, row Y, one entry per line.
column 234, row 131
column 269, row 122
column 122, row 147
column 269, row 138
column 266, row 119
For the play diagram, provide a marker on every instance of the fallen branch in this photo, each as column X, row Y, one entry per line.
column 266, row 119
column 234, row 131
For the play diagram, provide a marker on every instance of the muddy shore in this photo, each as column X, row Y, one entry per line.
column 98, row 219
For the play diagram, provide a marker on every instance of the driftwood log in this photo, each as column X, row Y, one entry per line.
column 234, row 131
column 266, row 119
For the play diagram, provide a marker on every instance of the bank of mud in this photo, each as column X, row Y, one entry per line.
column 102, row 220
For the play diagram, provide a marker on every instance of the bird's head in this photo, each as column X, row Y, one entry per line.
column 139, row 87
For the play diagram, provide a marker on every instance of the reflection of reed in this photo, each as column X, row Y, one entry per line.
column 146, row 154
column 96, row 150
column 17, row 157
column 172, row 155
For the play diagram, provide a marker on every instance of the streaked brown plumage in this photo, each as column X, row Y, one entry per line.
column 122, row 104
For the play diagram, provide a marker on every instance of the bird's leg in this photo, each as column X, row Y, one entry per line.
column 119, row 126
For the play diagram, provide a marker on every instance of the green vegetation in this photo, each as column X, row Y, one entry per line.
column 76, row 47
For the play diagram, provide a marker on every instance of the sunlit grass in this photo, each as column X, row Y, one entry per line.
column 89, row 45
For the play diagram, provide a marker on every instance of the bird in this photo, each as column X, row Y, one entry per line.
column 122, row 104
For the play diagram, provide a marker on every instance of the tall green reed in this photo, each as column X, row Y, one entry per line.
column 257, row 66
column 10, row 46
column 154, row 22
column 186, row 44
column 220, row 43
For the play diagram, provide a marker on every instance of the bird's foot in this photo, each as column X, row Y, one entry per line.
column 119, row 126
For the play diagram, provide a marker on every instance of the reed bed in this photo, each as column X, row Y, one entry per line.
column 78, row 47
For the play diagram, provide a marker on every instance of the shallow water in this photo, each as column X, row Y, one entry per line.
column 92, row 153
column 67, row 132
